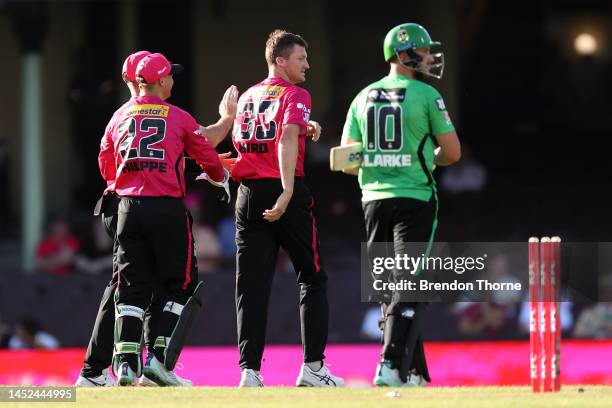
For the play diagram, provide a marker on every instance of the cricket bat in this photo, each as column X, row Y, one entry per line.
column 345, row 157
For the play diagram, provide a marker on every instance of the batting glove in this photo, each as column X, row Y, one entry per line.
column 225, row 197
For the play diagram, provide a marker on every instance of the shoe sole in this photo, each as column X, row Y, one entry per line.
column 380, row 383
column 125, row 382
column 304, row 383
column 250, row 386
column 301, row 384
column 149, row 384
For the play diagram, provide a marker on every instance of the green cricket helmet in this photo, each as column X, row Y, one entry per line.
column 407, row 38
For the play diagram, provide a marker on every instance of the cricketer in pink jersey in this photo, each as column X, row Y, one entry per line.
column 143, row 150
column 274, row 208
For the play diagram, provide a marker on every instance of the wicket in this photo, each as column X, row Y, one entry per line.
column 544, row 313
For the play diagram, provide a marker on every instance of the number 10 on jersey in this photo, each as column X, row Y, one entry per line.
column 384, row 128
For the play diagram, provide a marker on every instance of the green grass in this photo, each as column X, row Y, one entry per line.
column 206, row 397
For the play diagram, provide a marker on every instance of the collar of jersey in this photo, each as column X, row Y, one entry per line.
column 271, row 79
column 149, row 98
column 400, row 76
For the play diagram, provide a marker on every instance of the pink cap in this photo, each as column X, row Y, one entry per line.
column 155, row 66
column 130, row 63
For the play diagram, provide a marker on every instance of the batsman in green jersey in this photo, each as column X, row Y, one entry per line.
column 400, row 122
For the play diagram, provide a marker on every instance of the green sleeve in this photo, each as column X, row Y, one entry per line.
column 439, row 118
column 351, row 130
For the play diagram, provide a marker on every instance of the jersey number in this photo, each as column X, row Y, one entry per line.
column 385, row 131
column 143, row 150
column 257, row 125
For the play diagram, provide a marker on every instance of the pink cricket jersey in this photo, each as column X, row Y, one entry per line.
column 141, row 152
column 262, row 111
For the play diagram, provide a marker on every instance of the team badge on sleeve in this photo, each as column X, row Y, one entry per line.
column 440, row 103
column 447, row 118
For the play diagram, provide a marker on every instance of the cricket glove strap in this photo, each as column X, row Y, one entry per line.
column 224, row 184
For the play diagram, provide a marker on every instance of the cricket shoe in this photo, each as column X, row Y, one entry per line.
column 250, row 378
column 320, row 378
column 147, row 382
column 160, row 375
column 415, row 380
column 103, row 380
column 387, row 376
column 127, row 376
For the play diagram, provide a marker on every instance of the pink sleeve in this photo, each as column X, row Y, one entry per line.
column 200, row 150
column 297, row 108
column 106, row 157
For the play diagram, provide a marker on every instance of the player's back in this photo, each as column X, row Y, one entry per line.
column 263, row 110
column 394, row 117
column 148, row 135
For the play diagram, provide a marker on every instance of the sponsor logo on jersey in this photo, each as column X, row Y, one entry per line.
column 148, row 110
column 387, row 160
column 387, row 95
column 272, row 91
column 440, row 103
column 305, row 111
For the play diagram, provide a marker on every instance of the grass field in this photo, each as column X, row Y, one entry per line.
column 205, row 397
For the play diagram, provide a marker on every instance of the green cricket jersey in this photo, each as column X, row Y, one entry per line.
column 396, row 119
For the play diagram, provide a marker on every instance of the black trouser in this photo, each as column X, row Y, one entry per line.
column 397, row 221
column 100, row 348
column 258, row 243
column 154, row 247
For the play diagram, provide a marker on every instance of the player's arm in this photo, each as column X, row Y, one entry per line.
column 351, row 134
column 203, row 152
column 450, row 149
column 106, row 157
column 287, row 159
column 443, row 130
column 207, row 158
column 216, row 132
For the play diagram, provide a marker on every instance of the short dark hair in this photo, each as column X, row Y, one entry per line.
column 280, row 43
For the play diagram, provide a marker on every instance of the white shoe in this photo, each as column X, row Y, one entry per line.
column 147, row 382
column 126, row 376
column 387, row 376
column 415, row 380
column 250, row 378
column 320, row 378
column 158, row 373
column 103, row 380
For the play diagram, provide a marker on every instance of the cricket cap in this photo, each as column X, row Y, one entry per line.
column 155, row 66
column 131, row 62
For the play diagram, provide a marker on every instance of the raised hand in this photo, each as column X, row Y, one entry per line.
column 229, row 103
